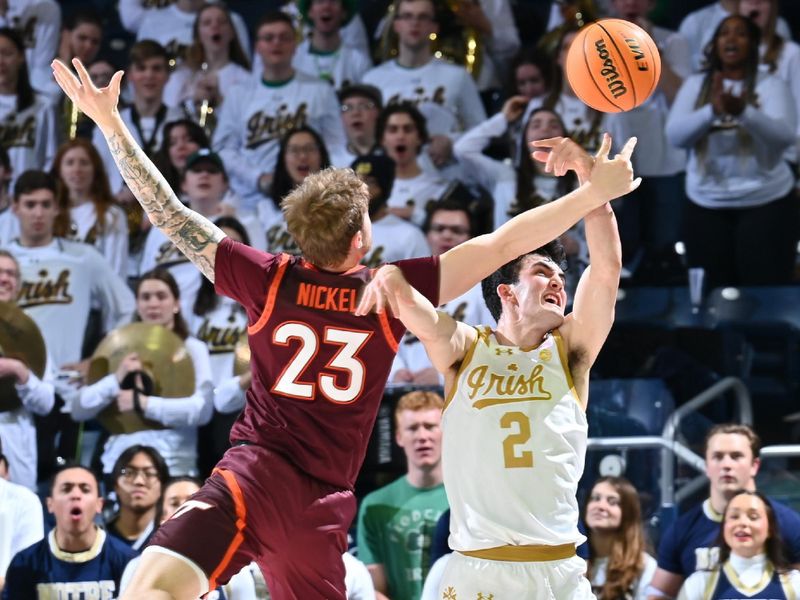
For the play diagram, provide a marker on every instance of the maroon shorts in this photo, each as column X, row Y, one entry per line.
column 257, row 506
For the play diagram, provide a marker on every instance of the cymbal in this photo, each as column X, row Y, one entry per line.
column 20, row 338
column 164, row 358
column 241, row 355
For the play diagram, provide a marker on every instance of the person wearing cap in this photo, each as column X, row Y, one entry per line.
column 205, row 187
column 393, row 238
column 323, row 54
column 360, row 106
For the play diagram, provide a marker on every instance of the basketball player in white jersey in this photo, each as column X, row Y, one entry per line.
column 514, row 420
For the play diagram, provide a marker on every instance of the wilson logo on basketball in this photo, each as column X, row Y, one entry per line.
column 609, row 71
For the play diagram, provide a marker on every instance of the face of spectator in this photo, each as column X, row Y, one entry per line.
column 448, row 229
column 302, row 156
column 9, row 279
column 359, row 115
column 326, row 15
column 733, row 42
column 564, row 48
column 149, row 78
column 176, row 494
column 11, row 61
column 101, row 73
column 84, row 41
column 276, row 43
column 214, row 29
column 529, row 81
column 74, row 501
column 138, row 486
column 632, row 9
column 746, row 525
column 204, row 182
column 77, row 171
column 414, row 23
column 603, row 510
column 401, row 138
column 544, row 124
column 155, row 303
column 181, row 145
column 758, row 10
column 419, row 434
column 37, row 212
column 730, row 464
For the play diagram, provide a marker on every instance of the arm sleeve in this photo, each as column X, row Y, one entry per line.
column 774, row 124
column 504, row 41
column 669, row 551
column 685, row 123
column 36, row 395
column 47, row 34
column 694, row 587
column 19, row 581
column 469, row 151
column 31, row 524
column 229, row 396
column 131, row 14
column 357, row 579
column 92, row 399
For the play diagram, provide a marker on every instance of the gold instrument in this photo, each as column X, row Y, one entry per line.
column 71, row 115
column 454, row 42
column 165, row 361
column 576, row 14
column 241, row 355
column 20, row 338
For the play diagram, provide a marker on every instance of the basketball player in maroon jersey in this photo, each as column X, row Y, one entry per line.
column 283, row 494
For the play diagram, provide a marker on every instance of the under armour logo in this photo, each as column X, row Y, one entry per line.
column 482, row 597
column 502, row 351
column 449, row 594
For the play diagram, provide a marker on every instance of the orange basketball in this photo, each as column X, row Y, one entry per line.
column 613, row 65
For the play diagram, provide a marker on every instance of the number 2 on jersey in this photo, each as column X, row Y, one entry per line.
column 345, row 360
column 512, row 459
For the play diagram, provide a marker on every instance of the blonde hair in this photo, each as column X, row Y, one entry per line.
column 323, row 214
column 417, row 400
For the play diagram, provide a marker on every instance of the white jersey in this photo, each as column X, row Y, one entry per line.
column 416, row 192
column 60, row 282
column 513, row 448
column 30, row 136
column 111, row 241
column 443, row 92
column 181, row 84
column 395, row 239
column 254, row 118
column 341, row 67
column 21, row 521
column 160, row 252
column 39, row 24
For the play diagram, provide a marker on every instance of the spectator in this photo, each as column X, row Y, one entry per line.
column 353, row 32
column 37, row 397
column 20, row 523
column 688, row 544
column 395, row 522
column 148, row 71
column 443, row 92
column 172, row 26
column 9, row 224
column 403, row 133
column 323, row 54
column 87, row 210
column 158, row 303
column 361, row 105
column 256, row 116
column 619, row 565
column 741, row 221
column 751, row 559
column 699, row 26
column 29, row 131
column 393, row 238
column 181, row 138
column 215, row 61
column 138, row 478
column 77, row 557
column 37, row 24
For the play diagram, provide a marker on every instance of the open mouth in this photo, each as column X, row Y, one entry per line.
column 552, row 299
column 216, row 38
column 75, row 513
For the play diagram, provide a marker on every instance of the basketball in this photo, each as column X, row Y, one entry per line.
column 613, row 65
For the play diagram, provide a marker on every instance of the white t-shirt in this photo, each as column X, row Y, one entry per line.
column 112, row 243
column 417, row 192
column 395, row 239
column 30, row 136
column 180, row 86
column 159, row 251
column 340, row 67
column 21, row 521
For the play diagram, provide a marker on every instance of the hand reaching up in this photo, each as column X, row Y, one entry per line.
column 612, row 178
column 99, row 104
column 388, row 286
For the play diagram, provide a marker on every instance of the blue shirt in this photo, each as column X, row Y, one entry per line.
column 689, row 544
column 726, row 590
column 45, row 571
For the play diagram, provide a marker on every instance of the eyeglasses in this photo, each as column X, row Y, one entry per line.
column 417, row 18
column 356, row 106
column 283, row 38
column 131, row 473
column 454, row 229
column 298, row 150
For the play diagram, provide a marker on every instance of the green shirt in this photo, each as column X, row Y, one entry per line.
column 395, row 528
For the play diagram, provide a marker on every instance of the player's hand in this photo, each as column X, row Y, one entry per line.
column 14, row 369
column 388, row 286
column 99, row 104
column 440, row 149
column 129, row 363
column 561, row 154
column 613, row 178
column 514, row 108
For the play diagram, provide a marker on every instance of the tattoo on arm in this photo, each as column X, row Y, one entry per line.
column 192, row 233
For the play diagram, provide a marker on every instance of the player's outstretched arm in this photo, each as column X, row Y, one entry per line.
column 193, row 234
column 445, row 339
column 468, row 263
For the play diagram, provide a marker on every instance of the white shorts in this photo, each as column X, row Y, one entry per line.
column 482, row 579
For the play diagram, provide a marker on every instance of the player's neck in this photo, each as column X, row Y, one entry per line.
column 519, row 334
column 79, row 542
column 602, row 542
column 411, row 58
column 425, row 478
column 328, row 41
column 131, row 525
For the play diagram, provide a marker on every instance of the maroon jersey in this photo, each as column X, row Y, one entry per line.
column 319, row 371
